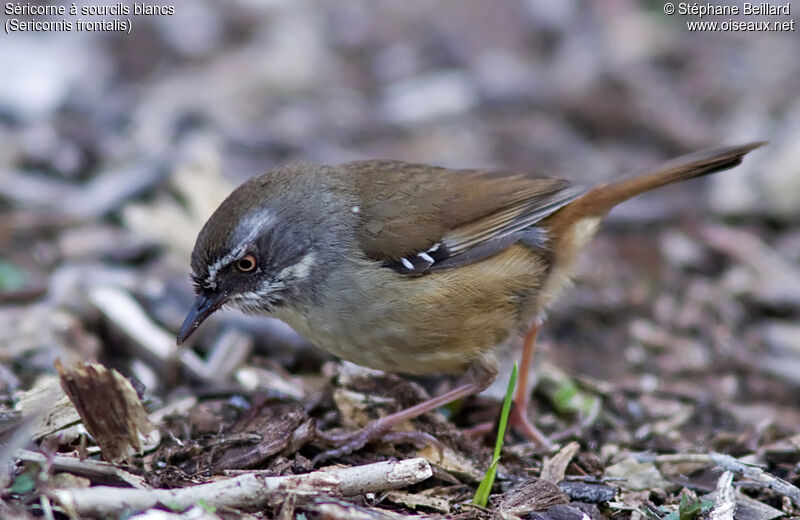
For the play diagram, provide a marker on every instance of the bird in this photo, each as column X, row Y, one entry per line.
column 410, row 268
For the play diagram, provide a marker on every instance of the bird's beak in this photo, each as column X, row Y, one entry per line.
column 202, row 307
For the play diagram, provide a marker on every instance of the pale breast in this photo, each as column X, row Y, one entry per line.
column 438, row 323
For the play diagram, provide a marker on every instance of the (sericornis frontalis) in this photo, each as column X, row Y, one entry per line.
column 410, row 268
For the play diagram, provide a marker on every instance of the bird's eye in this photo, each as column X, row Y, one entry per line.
column 246, row 264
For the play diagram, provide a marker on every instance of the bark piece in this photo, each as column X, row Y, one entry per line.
column 531, row 495
column 555, row 468
column 109, row 407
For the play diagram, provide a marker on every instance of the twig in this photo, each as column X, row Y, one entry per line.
column 675, row 458
column 154, row 342
column 230, row 349
column 47, row 509
column 249, row 491
column 726, row 462
column 757, row 475
column 95, row 470
column 725, row 502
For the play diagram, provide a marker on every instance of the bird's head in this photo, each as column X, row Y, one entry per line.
column 267, row 245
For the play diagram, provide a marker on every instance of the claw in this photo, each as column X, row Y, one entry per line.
column 418, row 439
column 348, row 443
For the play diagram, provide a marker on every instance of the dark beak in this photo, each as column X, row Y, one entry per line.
column 202, row 307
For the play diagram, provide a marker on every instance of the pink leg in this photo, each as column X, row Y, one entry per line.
column 378, row 428
column 519, row 418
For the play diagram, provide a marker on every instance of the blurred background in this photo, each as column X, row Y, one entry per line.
column 115, row 148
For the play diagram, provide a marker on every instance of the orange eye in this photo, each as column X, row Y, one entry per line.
column 246, row 264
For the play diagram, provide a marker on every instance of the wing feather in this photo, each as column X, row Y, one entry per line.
column 409, row 208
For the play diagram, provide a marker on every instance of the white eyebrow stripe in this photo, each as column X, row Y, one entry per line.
column 214, row 268
column 248, row 229
column 251, row 225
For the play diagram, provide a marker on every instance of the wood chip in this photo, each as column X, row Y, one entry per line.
column 415, row 500
column 531, row 495
column 109, row 407
column 748, row 508
column 51, row 408
column 278, row 429
column 453, row 462
column 555, row 467
column 638, row 475
column 331, row 508
column 576, row 511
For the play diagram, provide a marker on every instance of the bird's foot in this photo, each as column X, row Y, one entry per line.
column 518, row 421
column 480, row 430
column 381, row 429
column 378, row 430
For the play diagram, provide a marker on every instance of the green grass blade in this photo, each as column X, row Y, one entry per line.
column 485, row 487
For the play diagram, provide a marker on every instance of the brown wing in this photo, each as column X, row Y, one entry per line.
column 414, row 207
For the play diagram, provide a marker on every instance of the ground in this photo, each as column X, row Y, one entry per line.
column 675, row 357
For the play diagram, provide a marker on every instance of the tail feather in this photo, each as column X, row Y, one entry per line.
column 599, row 200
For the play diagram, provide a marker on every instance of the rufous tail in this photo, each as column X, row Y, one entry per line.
column 599, row 200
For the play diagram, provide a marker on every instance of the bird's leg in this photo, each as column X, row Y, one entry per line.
column 519, row 418
column 479, row 377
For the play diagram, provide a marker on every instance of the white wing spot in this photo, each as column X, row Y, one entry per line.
column 406, row 263
column 426, row 257
column 434, row 247
column 355, row 209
